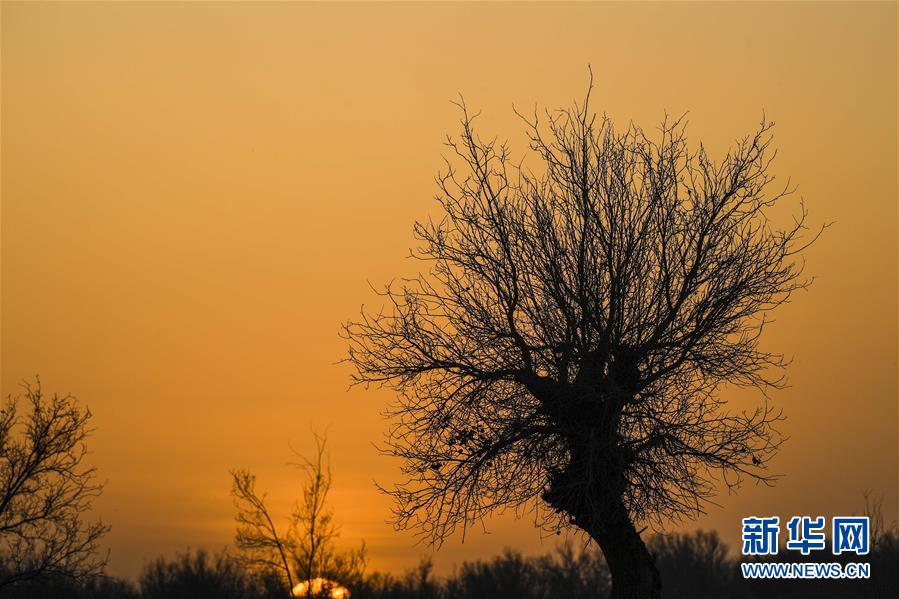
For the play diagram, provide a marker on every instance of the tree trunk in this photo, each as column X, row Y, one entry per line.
column 633, row 570
column 591, row 487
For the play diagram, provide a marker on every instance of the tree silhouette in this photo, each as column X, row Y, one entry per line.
column 568, row 345
column 303, row 555
column 262, row 547
column 312, row 520
column 46, row 490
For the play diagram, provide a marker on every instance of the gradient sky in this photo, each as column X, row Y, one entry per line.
column 195, row 196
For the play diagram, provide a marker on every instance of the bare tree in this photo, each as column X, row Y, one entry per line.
column 306, row 552
column 313, row 522
column 314, row 529
column 46, row 489
column 568, row 346
column 257, row 538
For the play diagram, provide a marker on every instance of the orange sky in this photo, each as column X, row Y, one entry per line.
column 195, row 196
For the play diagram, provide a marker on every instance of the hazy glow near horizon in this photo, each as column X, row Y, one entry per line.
column 195, row 196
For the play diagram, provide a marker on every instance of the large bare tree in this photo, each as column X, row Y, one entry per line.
column 569, row 344
column 46, row 490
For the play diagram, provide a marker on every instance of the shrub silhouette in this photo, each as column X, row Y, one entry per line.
column 693, row 565
column 195, row 575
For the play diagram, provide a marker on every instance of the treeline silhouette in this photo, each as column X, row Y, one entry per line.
column 694, row 565
column 49, row 549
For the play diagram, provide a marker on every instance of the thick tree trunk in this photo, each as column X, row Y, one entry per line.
column 634, row 574
column 591, row 487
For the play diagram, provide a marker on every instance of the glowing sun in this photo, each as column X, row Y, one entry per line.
column 319, row 587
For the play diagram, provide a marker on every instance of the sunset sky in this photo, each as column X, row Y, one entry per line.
column 196, row 196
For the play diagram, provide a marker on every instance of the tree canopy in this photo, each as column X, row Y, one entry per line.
column 577, row 317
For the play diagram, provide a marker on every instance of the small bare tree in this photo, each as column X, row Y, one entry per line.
column 312, row 521
column 569, row 345
column 261, row 546
column 46, row 490
column 305, row 553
